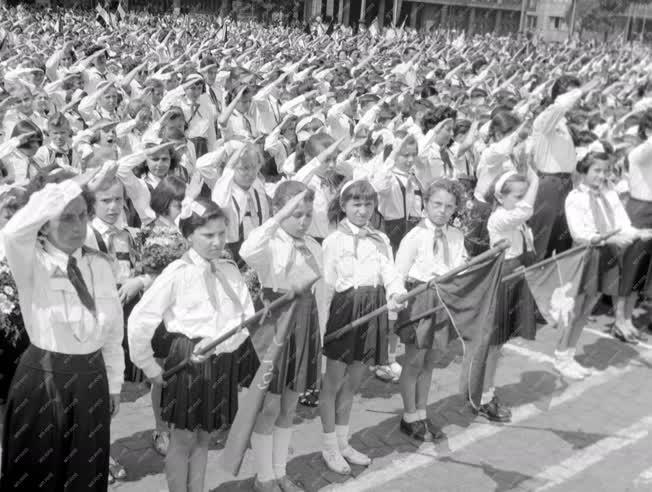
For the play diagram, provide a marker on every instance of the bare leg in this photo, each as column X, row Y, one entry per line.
column 197, row 464
column 332, row 382
column 177, row 461
column 412, row 367
column 344, row 399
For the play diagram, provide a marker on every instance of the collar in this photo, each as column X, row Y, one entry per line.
column 432, row 227
column 290, row 239
column 198, row 260
column 56, row 260
column 104, row 228
column 151, row 179
column 57, row 149
column 354, row 228
column 586, row 189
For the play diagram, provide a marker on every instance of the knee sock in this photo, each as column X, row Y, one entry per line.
column 282, row 438
column 342, row 433
column 263, row 447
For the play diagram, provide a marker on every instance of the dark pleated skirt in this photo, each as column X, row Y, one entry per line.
column 161, row 341
column 201, row 146
column 432, row 332
column 132, row 373
column 205, row 396
column 623, row 270
column 514, row 306
column 10, row 353
column 476, row 240
column 397, row 229
column 299, row 366
column 56, row 435
column 367, row 343
column 640, row 213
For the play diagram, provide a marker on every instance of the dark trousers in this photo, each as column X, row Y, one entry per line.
column 548, row 221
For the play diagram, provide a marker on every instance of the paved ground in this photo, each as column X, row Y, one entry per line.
column 594, row 435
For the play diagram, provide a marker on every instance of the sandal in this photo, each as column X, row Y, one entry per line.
column 310, row 398
column 161, row 441
column 116, row 470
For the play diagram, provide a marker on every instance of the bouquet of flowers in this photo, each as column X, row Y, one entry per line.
column 11, row 319
column 160, row 247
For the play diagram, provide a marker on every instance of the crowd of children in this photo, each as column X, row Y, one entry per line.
column 162, row 178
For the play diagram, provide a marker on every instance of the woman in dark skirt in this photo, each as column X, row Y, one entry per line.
column 283, row 256
column 515, row 195
column 430, row 249
column 198, row 297
column 360, row 276
column 73, row 318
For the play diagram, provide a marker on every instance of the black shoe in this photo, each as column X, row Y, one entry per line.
column 416, row 430
column 495, row 412
column 434, row 429
column 619, row 335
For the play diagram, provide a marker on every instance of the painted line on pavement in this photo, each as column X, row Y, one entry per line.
column 582, row 460
column 602, row 334
column 530, row 354
column 427, row 453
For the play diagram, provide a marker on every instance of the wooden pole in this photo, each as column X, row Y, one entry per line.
column 500, row 246
column 521, row 271
column 256, row 318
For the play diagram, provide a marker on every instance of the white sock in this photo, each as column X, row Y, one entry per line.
column 330, row 441
column 263, row 447
column 411, row 417
column 487, row 396
column 282, row 438
column 422, row 415
column 342, row 433
column 571, row 353
column 561, row 354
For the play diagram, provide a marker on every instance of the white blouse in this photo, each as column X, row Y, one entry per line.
column 55, row 318
column 553, row 147
column 580, row 216
column 640, row 171
column 494, row 161
column 180, row 298
column 271, row 252
column 320, row 226
column 416, row 256
column 511, row 225
column 372, row 267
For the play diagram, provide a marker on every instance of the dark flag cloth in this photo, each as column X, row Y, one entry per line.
column 269, row 340
column 470, row 301
column 555, row 284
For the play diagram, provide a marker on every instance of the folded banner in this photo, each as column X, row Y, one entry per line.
column 556, row 283
column 268, row 340
column 470, row 301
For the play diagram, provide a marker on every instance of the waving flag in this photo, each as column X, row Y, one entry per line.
column 268, row 341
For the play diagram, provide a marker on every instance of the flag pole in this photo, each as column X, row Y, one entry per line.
column 256, row 318
column 498, row 248
column 594, row 242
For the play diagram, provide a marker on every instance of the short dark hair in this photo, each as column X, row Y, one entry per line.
column 211, row 212
column 169, row 189
column 445, row 184
column 563, row 84
column 589, row 160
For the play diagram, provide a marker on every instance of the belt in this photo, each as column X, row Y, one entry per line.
column 556, row 175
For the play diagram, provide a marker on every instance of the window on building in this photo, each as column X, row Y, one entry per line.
column 531, row 4
column 531, row 22
column 557, row 22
